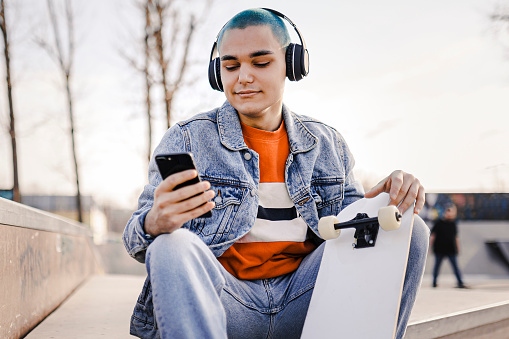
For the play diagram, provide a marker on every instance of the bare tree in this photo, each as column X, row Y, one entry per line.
column 12, row 129
column 63, row 55
column 169, row 64
column 501, row 14
column 157, row 65
column 500, row 19
column 144, row 67
column 148, row 78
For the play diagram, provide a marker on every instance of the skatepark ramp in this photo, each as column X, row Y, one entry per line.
column 43, row 259
column 501, row 250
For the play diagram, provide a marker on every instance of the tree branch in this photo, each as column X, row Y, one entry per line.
column 56, row 35
column 70, row 30
column 189, row 37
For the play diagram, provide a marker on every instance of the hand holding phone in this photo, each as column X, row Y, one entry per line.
column 169, row 164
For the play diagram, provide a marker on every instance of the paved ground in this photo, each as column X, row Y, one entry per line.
column 445, row 299
column 102, row 306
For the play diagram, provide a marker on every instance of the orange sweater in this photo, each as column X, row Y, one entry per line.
column 277, row 243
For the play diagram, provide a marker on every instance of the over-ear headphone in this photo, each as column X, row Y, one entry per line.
column 297, row 58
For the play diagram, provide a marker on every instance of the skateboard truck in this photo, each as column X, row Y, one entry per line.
column 366, row 228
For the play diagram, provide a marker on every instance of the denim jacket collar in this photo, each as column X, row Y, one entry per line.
column 230, row 132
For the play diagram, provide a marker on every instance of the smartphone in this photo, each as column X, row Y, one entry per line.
column 169, row 164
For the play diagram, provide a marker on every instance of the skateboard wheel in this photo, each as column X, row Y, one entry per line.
column 389, row 218
column 326, row 227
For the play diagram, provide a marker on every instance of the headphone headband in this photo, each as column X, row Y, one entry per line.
column 297, row 57
column 281, row 15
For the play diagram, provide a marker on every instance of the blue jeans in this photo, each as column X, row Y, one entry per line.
column 195, row 297
column 454, row 264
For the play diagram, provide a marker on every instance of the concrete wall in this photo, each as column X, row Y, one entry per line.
column 43, row 258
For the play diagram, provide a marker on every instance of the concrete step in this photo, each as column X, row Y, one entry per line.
column 102, row 308
column 482, row 311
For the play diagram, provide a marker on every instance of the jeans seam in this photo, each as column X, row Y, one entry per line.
column 246, row 304
column 266, row 285
column 300, row 292
column 145, row 322
column 271, row 326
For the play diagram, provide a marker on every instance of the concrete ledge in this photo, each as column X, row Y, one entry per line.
column 489, row 318
column 43, row 258
column 15, row 214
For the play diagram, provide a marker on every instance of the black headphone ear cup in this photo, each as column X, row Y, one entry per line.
column 218, row 75
column 296, row 62
column 304, row 60
column 301, row 62
column 215, row 75
column 212, row 76
column 289, row 62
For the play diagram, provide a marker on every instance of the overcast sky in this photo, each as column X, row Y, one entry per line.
column 421, row 86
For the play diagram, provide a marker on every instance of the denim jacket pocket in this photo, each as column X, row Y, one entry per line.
column 328, row 194
column 228, row 198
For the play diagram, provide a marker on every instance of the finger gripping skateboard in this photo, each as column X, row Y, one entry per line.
column 358, row 288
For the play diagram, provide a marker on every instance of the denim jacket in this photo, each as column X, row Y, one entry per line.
column 318, row 177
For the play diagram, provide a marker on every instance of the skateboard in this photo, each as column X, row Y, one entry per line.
column 358, row 288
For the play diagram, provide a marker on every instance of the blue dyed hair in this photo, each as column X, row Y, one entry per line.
column 258, row 17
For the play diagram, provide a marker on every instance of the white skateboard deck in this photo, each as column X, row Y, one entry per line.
column 358, row 291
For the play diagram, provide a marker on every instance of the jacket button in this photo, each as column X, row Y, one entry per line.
column 247, row 156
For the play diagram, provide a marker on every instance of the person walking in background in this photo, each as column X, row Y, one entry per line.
column 445, row 243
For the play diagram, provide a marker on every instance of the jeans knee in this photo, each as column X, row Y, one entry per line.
column 170, row 245
column 183, row 254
